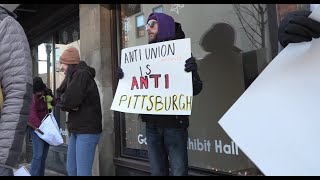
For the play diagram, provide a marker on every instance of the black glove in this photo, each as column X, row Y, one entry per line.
column 120, row 73
column 191, row 65
column 297, row 27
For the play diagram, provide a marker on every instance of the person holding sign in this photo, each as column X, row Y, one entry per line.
column 296, row 27
column 42, row 103
column 78, row 94
column 167, row 135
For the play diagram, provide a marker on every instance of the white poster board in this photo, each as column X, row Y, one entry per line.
column 276, row 122
column 154, row 79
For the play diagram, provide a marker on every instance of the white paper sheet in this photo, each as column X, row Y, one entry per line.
column 276, row 122
column 22, row 172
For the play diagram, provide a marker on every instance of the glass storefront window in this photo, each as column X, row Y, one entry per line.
column 232, row 45
column 140, row 25
column 46, row 59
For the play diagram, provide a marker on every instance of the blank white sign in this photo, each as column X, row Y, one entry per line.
column 276, row 122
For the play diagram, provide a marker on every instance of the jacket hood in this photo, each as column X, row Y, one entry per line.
column 166, row 26
column 6, row 11
column 179, row 33
column 83, row 65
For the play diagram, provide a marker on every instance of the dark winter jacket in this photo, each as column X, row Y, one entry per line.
column 79, row 95
column 39, row 109
column 165, row 33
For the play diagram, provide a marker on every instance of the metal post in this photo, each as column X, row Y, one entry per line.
column 48, row 50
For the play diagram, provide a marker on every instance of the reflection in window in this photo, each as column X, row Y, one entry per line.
column 158, row 9
column 140, row 25
column 132, row 9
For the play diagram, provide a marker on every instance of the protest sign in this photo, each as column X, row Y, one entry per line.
column 154, row 79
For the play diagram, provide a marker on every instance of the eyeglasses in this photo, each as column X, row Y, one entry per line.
column 151, row 24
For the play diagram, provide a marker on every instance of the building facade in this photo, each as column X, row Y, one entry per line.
column 232, row 43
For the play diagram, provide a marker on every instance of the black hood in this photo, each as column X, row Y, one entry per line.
column 83, row 65
column 179, row 33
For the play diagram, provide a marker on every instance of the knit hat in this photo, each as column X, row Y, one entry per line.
column 70, row 56
column 38, row 85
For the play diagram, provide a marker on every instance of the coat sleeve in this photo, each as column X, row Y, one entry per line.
column 33, row 117
column 54, row 101
column 75, row 91
column 16, row 80
column 196, row 83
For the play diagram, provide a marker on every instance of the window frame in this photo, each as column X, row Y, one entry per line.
column 140, row 28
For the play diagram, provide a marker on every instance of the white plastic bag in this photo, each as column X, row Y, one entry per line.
column 23, row 171
column 50, row 129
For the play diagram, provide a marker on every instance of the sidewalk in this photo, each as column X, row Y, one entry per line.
column 46, row 173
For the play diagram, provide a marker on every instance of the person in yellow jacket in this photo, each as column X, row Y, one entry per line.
column 49, row 100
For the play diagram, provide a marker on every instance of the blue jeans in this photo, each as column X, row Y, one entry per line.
column 40, row 150
column 80, row 156
column 164, row 143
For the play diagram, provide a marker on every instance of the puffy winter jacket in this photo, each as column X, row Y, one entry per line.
column 16, row 81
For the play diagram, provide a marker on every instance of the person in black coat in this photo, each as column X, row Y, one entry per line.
column 78, row 94
column 167, row 135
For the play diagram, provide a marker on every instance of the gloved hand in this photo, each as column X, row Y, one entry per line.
column 120, row 73
column 191, row 65
column 297, row 27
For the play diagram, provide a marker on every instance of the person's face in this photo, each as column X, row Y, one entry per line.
column 152, row 29
column 64, row 68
